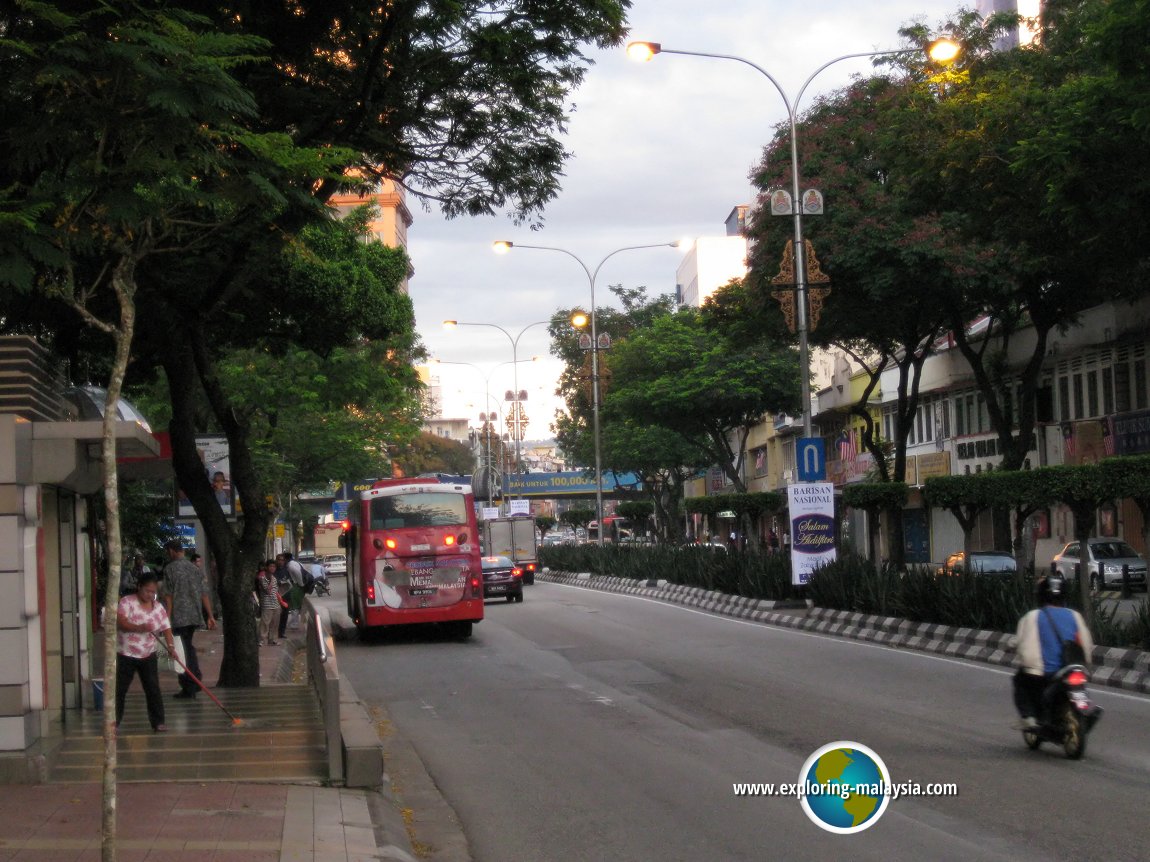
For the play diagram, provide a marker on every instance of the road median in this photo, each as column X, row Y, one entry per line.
column 1127, row 669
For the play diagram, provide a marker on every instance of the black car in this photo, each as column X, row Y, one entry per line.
column 502, row 578
column 994, row 563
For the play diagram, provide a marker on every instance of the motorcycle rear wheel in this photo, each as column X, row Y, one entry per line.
column 1074, row 733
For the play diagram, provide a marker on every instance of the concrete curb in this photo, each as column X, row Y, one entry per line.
column 363, row 757
column 1127, row 669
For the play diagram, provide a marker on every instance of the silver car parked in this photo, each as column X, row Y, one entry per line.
column 1105, row 559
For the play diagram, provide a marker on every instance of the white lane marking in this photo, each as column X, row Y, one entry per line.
column 424, row 705
column 968, row 663
column 595, row 698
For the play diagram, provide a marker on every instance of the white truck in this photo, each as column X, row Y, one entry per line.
column 514, row 538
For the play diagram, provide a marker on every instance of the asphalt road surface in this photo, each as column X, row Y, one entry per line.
column 582, row 725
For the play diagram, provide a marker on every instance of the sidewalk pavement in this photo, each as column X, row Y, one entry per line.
column 206, row 822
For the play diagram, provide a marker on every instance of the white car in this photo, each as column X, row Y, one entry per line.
column 1111, row 555
column 336, row 564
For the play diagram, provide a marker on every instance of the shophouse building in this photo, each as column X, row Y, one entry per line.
column 49, row 472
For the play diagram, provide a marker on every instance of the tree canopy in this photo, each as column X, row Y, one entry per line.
column 709, row 390
column 238, row 122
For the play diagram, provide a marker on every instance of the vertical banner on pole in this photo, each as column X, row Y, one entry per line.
column 812, row 513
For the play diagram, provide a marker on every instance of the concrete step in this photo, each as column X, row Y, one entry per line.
column 278, row 736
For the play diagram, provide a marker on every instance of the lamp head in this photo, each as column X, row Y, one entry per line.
column 580, row 319
column 450, row 324
column 641, row 52
column 943, row 50
column 684, row 244
column 502, row 246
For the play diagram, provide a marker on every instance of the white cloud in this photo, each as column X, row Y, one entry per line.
column 661, row 150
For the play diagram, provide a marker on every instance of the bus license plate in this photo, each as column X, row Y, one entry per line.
column 424, row 591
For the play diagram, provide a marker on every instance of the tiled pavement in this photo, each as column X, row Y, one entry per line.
column 213, row 822
column 210, row 821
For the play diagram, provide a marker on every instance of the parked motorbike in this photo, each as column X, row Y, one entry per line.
column 1068, row 713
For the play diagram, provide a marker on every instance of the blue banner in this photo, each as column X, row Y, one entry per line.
column 569, row 483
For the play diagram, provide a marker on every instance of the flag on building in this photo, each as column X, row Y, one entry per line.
column 1107, row 436
column 847, row 445
column 1068, row 439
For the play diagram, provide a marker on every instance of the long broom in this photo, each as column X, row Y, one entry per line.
column 236, row 722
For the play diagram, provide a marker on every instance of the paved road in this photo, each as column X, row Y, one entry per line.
column 591, row 726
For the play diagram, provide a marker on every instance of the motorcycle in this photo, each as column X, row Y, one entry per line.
column 1068, row 713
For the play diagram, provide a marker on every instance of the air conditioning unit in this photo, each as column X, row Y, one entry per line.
column 789, row 476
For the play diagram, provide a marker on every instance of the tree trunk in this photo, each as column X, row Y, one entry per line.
column 237, row 559
column 897, row 539
column 123, row 282
column 1083, row 527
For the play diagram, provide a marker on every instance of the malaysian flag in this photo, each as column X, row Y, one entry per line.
column 847, row 445
column 1107, row 436
column 1068, row 439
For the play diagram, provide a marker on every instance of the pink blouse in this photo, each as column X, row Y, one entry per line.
column 140, row 644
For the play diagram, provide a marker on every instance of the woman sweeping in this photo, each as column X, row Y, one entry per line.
column 140, row 621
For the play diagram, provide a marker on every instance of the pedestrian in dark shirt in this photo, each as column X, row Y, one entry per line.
column 189, row 604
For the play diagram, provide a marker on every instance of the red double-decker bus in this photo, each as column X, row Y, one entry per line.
column 413, row 556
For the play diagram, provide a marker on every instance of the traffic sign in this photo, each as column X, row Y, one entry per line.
column 811, row 459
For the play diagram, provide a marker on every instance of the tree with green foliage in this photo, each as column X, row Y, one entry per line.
column 981, row 170
column 1129, row 477
column 577, row 517
column 880, row 246
column 574, row 426
column 430, row 453
column 708, row 389
column 124, row 147
column 878, row 499
column 545, row 524
column 662, row 459
column 461, row 104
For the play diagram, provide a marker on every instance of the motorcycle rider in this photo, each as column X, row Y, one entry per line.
column 1039, row 646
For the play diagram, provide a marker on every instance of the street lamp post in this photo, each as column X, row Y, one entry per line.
column 941, row 51
column 488, row 399
column 504, row 246
column 517, row 432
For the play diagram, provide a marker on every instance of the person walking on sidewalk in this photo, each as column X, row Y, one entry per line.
column 140, row 622
column 189, row 604
column 269, row 593
column 284, row 589
column 295, row 575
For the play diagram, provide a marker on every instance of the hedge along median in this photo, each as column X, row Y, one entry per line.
column 1118, row 668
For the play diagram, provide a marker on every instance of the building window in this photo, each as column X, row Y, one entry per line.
column 1140, row 393
column 1121, row 385
column 1064, row 399
column 1091, row 393
column 959, row 417
column 1107, row 391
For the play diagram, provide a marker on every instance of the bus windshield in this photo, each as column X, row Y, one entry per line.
column 418, row 510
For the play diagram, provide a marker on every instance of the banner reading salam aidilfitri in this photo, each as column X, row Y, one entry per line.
column 812, row 513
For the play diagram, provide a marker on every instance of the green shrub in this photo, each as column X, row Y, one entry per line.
column 850, row 583
column 746, row 573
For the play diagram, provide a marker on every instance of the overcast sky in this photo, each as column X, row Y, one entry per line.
column 662, row 150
